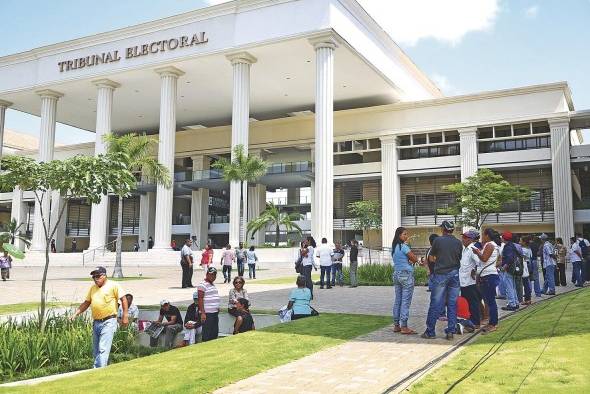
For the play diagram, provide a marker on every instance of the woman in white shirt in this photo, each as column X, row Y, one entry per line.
column 488, row 274
column 251, row 259
column 308, row 262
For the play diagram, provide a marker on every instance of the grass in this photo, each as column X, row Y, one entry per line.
column 207, row 366
column 28, row 307
column 563, row 356
column 114, row 279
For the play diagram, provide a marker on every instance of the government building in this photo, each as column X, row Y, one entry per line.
column 317, row 89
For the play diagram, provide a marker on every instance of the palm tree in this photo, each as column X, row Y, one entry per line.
column 275, row 217
column 139, row 150
column 12, row 232
column 242, row 168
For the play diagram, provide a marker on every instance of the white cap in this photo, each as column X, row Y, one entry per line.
column 164, row 301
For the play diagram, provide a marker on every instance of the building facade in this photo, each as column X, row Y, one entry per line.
column 318, row 90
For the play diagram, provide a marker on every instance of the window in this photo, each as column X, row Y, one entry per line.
column 405, row 140
column 522, row 129
column 435, row 138
column 486, row 132
column 503, row 131
column 540, row 127
column 451, row 136
column 419, row 139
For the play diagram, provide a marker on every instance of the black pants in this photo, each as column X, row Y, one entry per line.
column 211, row 327
column 471, row 293
column 227, row 273
column 307, row 273
column 560, row 275
column 187, row 274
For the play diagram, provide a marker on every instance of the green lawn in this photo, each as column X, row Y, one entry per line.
column 204, row 367
column 27, row 307
column 554, row 361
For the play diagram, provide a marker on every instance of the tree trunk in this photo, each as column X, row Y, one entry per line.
column 278, row 234
column 118, row 271
column 43, row 282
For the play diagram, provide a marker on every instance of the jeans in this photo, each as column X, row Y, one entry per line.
column 352, row 270
column 308, row 282
column 560, row 275
column 534, row 276
column 444, row 287
column 403, row 282
column 240, row 267
column 169, row 335
column 511, row 296
column 102, row 339
column 252, row 271
column 211, row 327
column 337, row 275
column 577, row 273
column 473, row 297
column 488, row 292
column 187, row 274
column 549, row 285
column 325, row 270
column 502, row 284
column 526, row 283
column 518, row 287
column 227, row 273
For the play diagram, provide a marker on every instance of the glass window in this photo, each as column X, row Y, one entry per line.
column 359, row 144
column 435, row 138
column 503, row 131
column 522, row 129
column 451, row 136
column 404, row 140
column 374, row 143
column 419, row 139
column 485, row 132
column 540, row 127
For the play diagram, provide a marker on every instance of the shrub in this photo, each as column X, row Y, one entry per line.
column 378, row 274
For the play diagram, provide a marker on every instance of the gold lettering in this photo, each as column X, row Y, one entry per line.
column 154, row 47
column 183, row 41
column 173, row 43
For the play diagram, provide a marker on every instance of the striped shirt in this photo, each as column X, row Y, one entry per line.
column 210, row 298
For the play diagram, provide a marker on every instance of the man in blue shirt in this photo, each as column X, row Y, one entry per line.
column 509, row 257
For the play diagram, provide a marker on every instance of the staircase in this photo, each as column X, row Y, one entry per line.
column 159, row 258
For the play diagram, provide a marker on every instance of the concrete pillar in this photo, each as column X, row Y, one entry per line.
column 200, row 206
column 99, row 216
column 562, row 178
column 19, row 213
column 468, row 146
column 46, row 145
column 324, row 46
column 241, row 63
column 390, row 190
column 57, row 202
column 256, row 204
column 168, row 78
column 3, row 106
column 147, row 210
column 312, row 195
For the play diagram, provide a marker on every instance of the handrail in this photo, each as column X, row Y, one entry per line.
column 93, row 251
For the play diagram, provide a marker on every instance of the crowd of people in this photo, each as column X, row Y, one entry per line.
column 468, row 276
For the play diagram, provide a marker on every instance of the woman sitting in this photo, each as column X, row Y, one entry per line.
column 244, row 321
column 299, row 300
column 236, row 293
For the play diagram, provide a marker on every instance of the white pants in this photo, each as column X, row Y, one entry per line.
column 190, row 335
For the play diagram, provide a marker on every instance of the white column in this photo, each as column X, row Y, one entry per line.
column 562, row 178
column 324, row 137
column 241, row 63
column 147, row 208
column 99, row 216
column 312, row 194
column 200, row 205
column 468, row 146
column 3, row 106
column 19, row 213
column 46, row 144
column 168, row 79
column 57, row 202
column 257, row 204
column 390, row 190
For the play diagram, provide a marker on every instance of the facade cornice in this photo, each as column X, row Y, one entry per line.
column 106, row 83
column 5, row 104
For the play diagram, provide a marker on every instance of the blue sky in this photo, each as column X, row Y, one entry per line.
column 463, row 45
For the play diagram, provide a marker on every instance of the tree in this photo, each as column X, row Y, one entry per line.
column 479, row 195
column 91, row 177
column 13, row 232
column 139, row 153
column 367, row 216
column 273, row 216
column 241, row 168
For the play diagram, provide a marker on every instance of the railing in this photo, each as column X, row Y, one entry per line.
column 219, row 219
column 582, row 204
column 213, row 173
column 183, row 176
column 284, row 200
column 289, row 168
column 90, row 255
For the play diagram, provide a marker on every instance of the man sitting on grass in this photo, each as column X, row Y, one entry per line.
column 172, row 326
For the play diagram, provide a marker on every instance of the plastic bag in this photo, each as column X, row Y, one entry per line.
column 285, row 314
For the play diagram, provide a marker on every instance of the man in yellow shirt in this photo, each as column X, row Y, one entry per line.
column 102, row 298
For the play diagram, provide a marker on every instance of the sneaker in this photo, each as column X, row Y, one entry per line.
column 426, row 336
column 329, row 287
column 469, row 329
column 551, row 293
column 509, row 308
column 449, row 336
column 459, row 329
column 322, row 287
column 396, row 328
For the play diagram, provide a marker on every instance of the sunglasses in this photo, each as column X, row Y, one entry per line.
column 96, row 276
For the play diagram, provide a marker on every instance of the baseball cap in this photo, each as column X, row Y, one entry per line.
column 98, row 271
column 211, row 270
column 447, row 225
column 195, row 295
column 471, row 234
column 543, row 236
column 164, row 301
column 507, row 235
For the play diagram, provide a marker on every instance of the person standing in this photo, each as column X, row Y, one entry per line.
column 102, row 298
column 251, row 259
column 325, row 253
column 467, row 276
column 403, row 280
column 509, row 265
column 575, row 258
column 549, row 265
column 585, row 248
column 172, row 326
column 227, row 259
column 353, row 267
column 337, row 255
column 186, row 263
column 487, row 272
column 241, row 258
column 527, row 269
column 5, row 266
column 53, row 248
column 560, row 254
column 150, row 242
column 446, row 253
column 206, row 257
column 74, row 245
column 209, row 305
column 534, row 268
column 308, row 262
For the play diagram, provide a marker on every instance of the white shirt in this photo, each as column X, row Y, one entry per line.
column 325, row 254
column 527, row 255
column 469, row 261
column 490, row 265
column 572, row 255
column 309, row 259
column 185, row 251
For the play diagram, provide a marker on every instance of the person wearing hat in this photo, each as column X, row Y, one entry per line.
column 469, row 261
column 192, row 321
column 172, row 325
column 208, row 301
column 102, row 298
column 510, row 257
column 549, row 264
column 446, row 254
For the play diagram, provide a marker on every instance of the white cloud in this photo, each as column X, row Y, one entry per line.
column 408, row 21
column 444, row 84
column 531, row 12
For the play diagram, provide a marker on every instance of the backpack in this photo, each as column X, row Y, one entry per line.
column 584, row 247
column 516, row 267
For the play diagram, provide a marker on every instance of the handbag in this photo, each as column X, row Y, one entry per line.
column 478, row 275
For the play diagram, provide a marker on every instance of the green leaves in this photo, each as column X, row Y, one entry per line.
column 367, row 214
column 242, row 167
column 272, row 215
